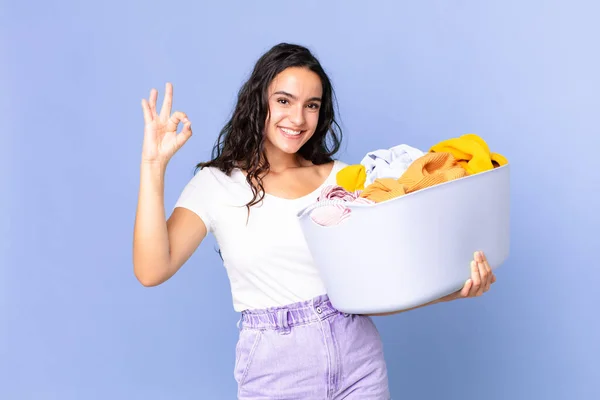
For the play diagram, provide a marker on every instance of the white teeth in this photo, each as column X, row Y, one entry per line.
column 291, row 132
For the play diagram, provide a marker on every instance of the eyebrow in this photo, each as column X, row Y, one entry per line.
column 294, row 97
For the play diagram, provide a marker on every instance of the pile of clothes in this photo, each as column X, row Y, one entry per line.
column 383, row 175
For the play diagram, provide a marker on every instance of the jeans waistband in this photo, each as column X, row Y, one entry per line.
column 288, row 316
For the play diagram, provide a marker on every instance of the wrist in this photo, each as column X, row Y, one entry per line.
column 446, row 298
column 153, row 172
column 154, row 166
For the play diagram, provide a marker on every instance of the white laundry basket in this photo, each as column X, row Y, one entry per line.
column 412, row 249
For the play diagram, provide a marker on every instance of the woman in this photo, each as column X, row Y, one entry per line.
column 271, row 159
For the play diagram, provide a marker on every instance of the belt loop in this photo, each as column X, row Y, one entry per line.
column 238, row 324
column 283, row 317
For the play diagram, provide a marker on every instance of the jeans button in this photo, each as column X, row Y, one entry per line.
column 319, row 310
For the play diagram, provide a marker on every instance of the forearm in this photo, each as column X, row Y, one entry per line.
column 441, row 300
column 151, row 255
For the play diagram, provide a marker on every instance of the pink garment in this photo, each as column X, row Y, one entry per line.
column 335, row 213
column 337, row 192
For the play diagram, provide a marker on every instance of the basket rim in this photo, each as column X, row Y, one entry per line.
column 305, row 211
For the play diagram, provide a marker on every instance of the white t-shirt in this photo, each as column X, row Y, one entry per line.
column 267, row 259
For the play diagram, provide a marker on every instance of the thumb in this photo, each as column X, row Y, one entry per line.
column 464, row 292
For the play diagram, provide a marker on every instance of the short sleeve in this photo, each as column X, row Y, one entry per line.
column 196, row 197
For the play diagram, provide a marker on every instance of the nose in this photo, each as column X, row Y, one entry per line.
column 296, row 115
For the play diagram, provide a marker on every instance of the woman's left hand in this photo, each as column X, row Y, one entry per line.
column 481, row 279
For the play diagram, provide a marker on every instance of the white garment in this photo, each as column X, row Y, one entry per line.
column 267, row 260
column 391, row 163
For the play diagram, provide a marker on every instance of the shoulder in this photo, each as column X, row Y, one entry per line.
column 209, row 186
column 331, row 168
column 207, row 191
column 339, row 164
column 212, row 178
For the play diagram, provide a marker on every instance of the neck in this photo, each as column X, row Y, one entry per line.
column 280, row 161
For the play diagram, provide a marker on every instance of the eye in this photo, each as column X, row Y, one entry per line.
column 314, row 106
column 282, row 101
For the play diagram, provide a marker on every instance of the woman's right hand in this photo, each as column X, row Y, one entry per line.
column 161, row 140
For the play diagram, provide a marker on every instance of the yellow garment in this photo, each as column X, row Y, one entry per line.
column 383, row 189
column 352, row 177
column 428, row 170
column 471, row 152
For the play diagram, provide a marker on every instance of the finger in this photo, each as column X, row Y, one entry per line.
column 165, row 110
column 185, row 134
column 175, row 119
column 484, row 278
column 490, row 273
column 147, row 113
column 483, row 257
column 475, row 278
column 152, row 101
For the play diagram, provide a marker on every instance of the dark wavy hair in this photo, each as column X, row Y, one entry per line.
column 240, row 143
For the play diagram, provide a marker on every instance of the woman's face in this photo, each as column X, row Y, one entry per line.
column 294, row 102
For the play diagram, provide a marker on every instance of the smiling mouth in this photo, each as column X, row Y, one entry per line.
column 291, row 133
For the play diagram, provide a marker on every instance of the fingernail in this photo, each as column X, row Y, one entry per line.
column 185, row 120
